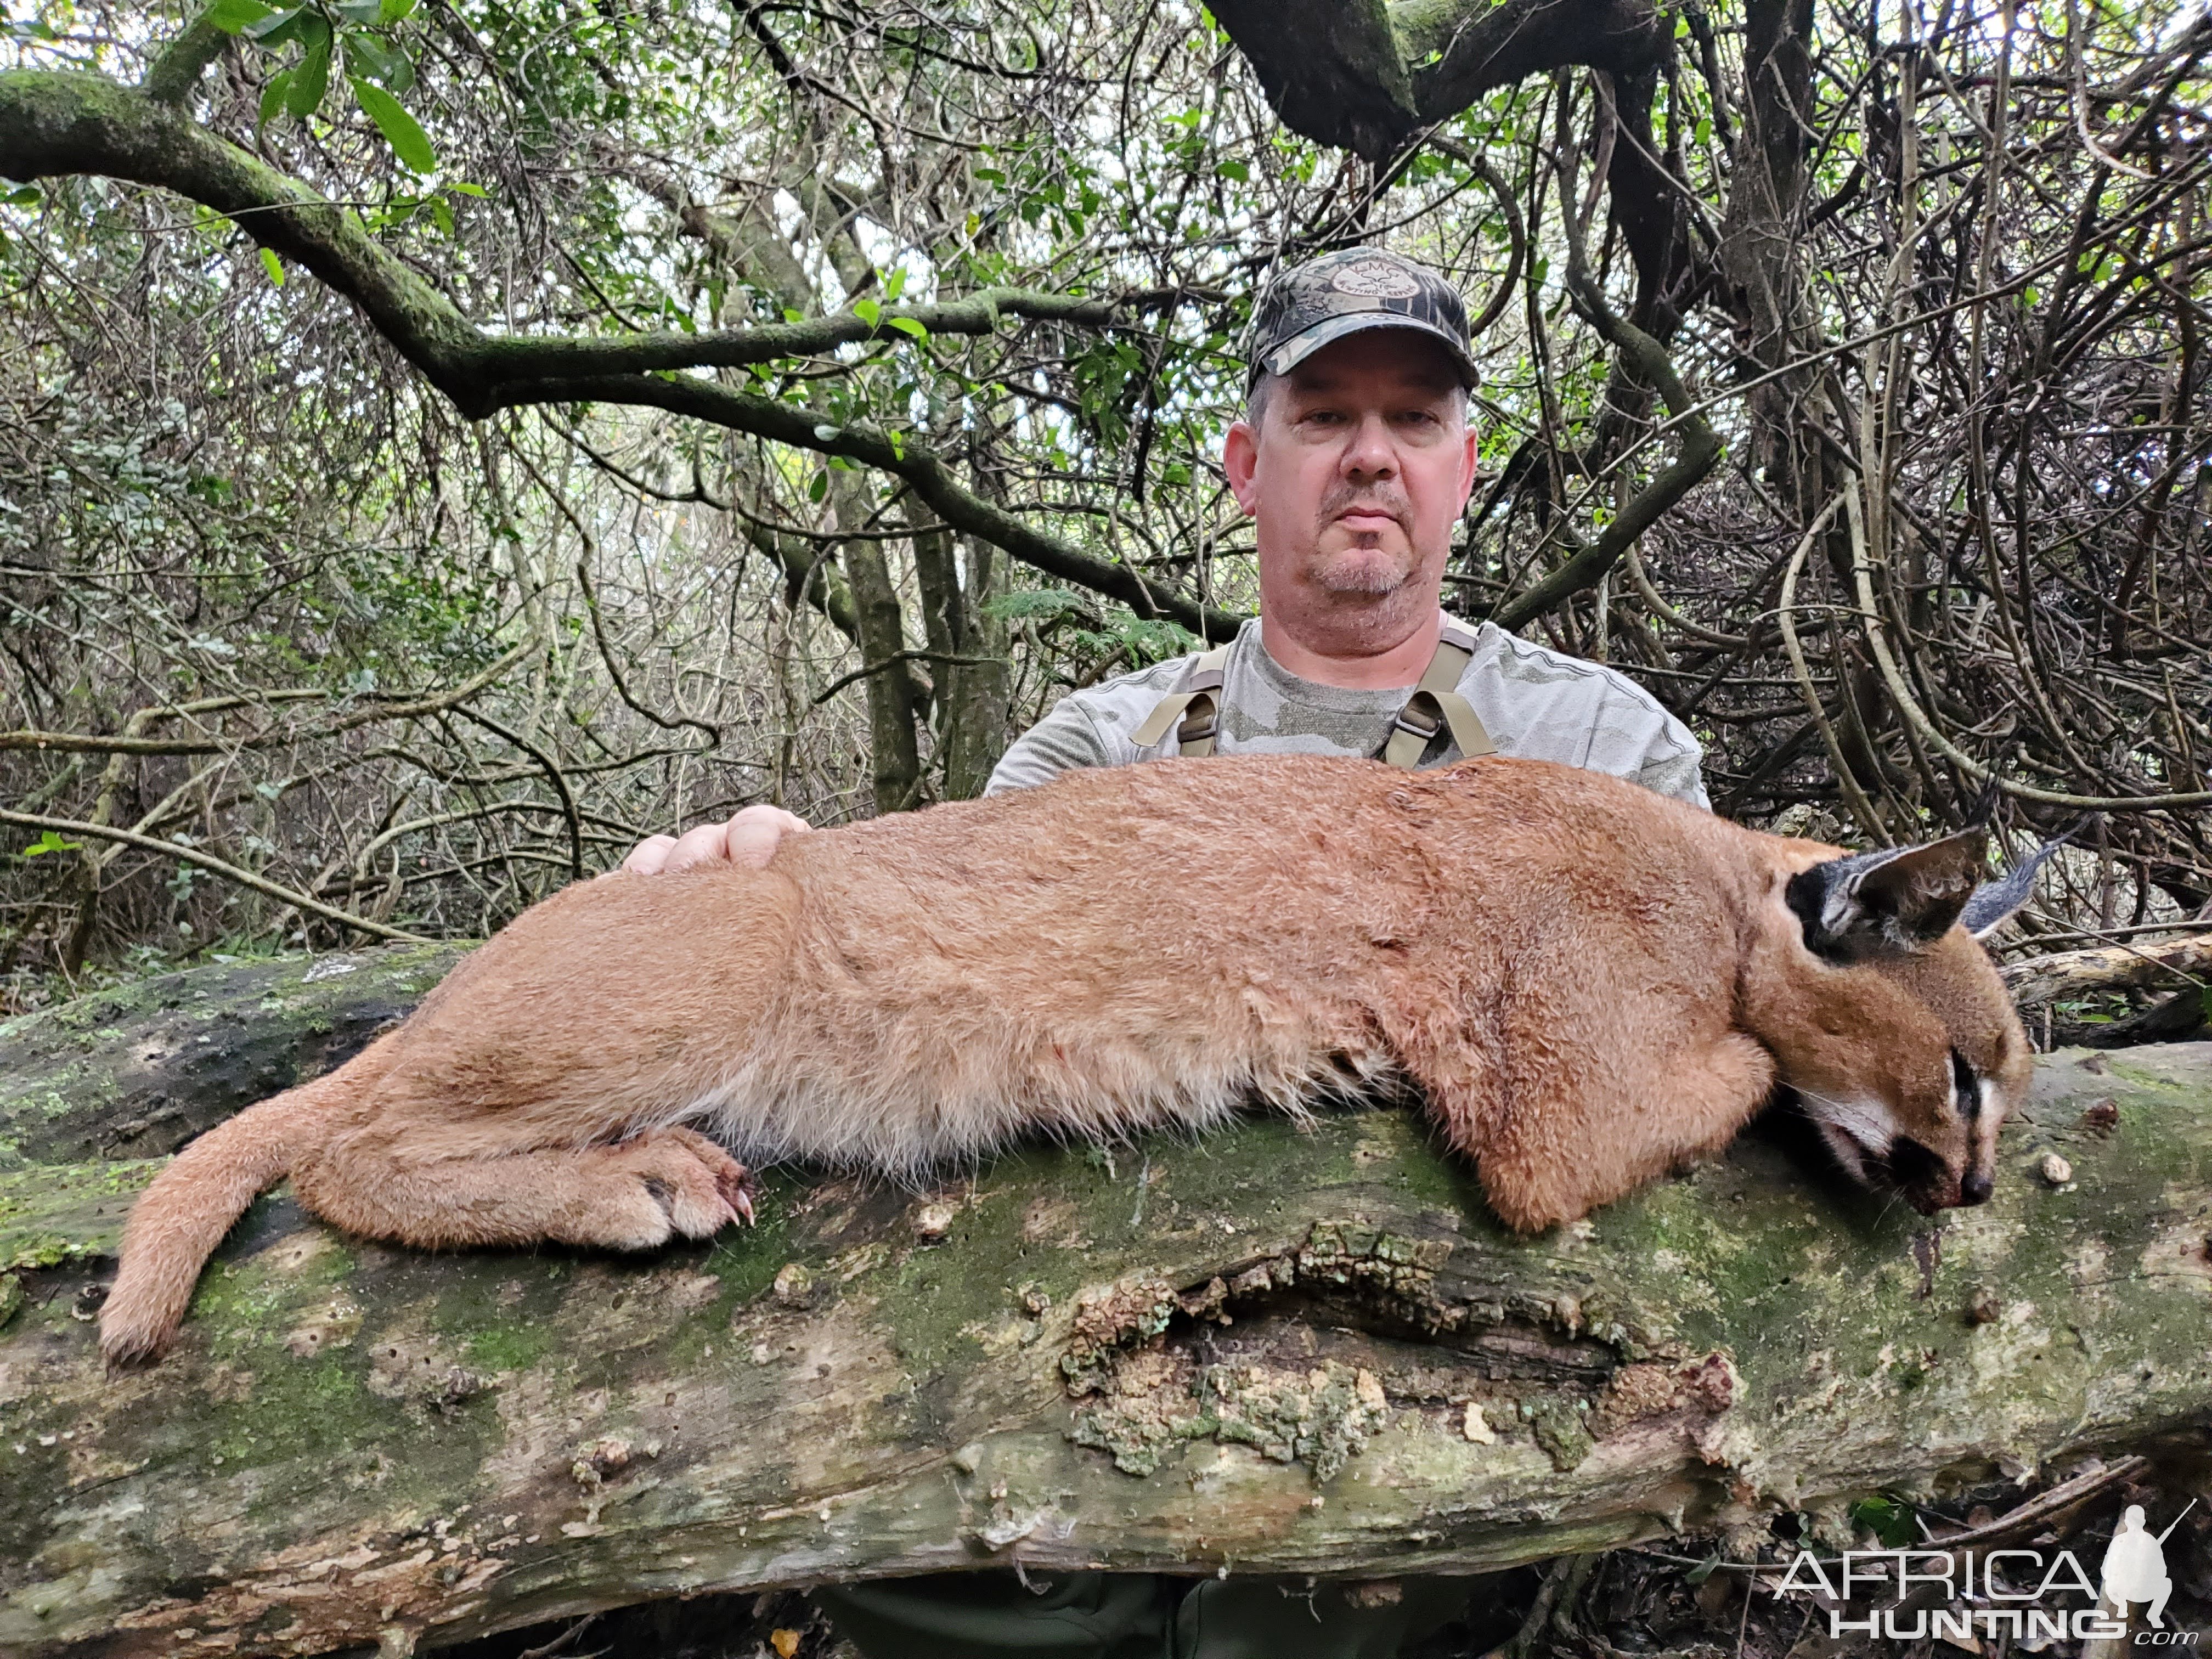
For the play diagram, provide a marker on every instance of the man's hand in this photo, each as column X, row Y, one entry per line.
column 748, row 841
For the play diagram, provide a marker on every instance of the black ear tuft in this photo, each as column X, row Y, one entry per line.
column 1879, row 904
column 1993, row 905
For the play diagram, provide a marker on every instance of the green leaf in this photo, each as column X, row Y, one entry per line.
column 278, row 27
column 1703, row 1570
column 312, row 80
column 1681, row 28
column 867, row 310
column 366, row 55
column 24, row 196
column 1042, row 605
column 1887, row 1519
column 361, row 12
column 400, row 130
column 49, row 842
column 273, row 94
column 818, row 488
column 233, row 15
column 894, row 285
column 273, row 266
column 910, row 326
column 462, row 187
column 394, row 10
column 829, row 434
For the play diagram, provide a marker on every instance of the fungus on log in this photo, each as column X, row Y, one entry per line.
column 1273, row 1349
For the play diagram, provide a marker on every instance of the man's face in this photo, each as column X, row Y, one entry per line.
column 1360, row 467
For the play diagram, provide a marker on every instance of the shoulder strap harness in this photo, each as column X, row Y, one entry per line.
column 1196, row 708
column 1436, row 704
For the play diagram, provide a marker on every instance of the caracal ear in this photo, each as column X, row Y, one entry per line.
column 1879, row 904
column 1993, row 904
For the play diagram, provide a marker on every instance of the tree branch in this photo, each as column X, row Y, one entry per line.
column 1697, row 450
column 1366, row 77
column 76, row 122
column 946, row 657
column 214, row 866
column 387, row 707
column 175, row 72
column 922, row 469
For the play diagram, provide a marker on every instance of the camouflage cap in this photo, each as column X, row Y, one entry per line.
column 1308, row 305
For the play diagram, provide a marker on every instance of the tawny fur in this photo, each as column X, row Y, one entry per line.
column 1590, row 984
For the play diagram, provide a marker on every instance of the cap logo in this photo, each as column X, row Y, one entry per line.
column 1377, row 279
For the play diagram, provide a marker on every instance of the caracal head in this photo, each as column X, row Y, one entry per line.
column 1890, row 1021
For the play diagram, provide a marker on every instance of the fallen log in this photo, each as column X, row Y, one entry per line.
column 2161, row 964
column 1273, row 1349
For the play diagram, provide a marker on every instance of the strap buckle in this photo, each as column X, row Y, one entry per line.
column 1415, row 719
column 1193, row 709
column 1199, row 722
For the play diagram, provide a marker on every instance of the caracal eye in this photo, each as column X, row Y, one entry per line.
column 1965, row 1086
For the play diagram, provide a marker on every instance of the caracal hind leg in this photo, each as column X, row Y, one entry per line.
column 630, row 1195
column 1586, row 1127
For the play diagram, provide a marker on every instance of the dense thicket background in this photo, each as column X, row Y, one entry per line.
column 1843, row 382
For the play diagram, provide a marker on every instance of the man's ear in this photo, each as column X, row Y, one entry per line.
column 1240, row 459
column 1878, row 904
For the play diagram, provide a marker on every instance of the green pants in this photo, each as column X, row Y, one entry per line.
column 1098, row 1615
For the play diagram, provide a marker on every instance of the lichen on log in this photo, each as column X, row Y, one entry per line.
column 1316, row 1345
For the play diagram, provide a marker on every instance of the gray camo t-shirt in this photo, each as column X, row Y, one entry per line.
column 1537, row 704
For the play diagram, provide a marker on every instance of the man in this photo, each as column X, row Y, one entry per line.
column 1354, row 460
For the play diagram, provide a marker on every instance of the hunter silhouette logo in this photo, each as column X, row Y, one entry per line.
column 2134, row 1564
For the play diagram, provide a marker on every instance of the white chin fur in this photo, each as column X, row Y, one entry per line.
column 1856, row 1130
column 1849, row 1153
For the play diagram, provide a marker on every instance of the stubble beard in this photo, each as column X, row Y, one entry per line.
column 1372, row 573
column 1356, row 572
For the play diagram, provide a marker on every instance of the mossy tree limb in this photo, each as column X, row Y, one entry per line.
column 71, row 122
column 1272, row 1349
column 1366, row 77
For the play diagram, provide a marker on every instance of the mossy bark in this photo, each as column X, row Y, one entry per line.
column 1273, row 1349
column 1368, row 75
column 138, row 1071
